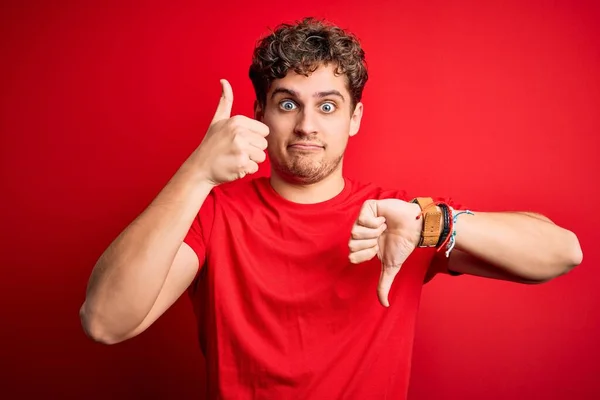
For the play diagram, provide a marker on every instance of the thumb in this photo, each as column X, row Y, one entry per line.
column 225, row 102
column 371, row 205
column 388, row 273
column 367, row 215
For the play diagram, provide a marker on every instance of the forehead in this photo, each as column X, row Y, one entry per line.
column 322, row 79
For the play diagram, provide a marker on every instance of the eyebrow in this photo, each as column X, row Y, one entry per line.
column 319, row 95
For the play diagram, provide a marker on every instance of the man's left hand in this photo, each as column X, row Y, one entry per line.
column 387, row 228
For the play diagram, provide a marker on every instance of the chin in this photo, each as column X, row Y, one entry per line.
column 304, row 180
column 306, row 173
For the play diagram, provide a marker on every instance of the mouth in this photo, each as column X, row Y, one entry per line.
column 305, row 146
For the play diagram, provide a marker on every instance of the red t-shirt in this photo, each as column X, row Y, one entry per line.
column 283, row 314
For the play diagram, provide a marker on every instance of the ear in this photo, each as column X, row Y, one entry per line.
column 258, row 111
column 355, row 119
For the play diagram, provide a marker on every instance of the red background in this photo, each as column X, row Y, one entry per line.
column 494, row 104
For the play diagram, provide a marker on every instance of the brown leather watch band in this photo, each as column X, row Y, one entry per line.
column 432, row 222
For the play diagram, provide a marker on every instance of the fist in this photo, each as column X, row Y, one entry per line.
column 387, row 228
column 233, row 146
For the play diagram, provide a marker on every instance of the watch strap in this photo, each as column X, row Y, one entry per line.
column 432, row 222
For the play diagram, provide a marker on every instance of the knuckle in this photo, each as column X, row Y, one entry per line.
column 369, row 204
column 236, row 120
column 237, row 131
column 236, row 125
column 238, row 143
column 240, row 161
column 363, row 220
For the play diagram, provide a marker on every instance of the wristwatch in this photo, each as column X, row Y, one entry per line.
column 432, row 222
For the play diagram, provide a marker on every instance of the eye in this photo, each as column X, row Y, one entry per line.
column 328, row 107
column 287, row 105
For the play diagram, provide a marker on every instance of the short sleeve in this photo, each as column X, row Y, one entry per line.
column 198, row 235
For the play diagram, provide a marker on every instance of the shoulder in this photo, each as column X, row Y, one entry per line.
column 371, row 190
column 235, row 189
column 241, row 194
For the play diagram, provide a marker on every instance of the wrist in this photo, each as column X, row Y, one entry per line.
column 419, row 224
column 446, row 223
column 432, row 219
column 195, row 170
column 192, row 180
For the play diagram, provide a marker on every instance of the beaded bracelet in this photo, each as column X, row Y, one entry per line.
column 448, row 235
column 452, row 238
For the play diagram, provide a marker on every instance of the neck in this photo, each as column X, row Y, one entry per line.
column 301, row 193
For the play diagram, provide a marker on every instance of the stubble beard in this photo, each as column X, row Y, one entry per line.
column 305, row 168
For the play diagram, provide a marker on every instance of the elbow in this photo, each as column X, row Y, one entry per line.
column 576, row 254
column 94, row 329
column 536, row 279
column 572, row 255
column 546, row 276
column 539, row 278
column 569, row 259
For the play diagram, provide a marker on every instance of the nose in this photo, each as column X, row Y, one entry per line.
column 306, row 124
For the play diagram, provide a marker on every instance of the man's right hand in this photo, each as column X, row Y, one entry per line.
column 148, row 266
column 233, row 146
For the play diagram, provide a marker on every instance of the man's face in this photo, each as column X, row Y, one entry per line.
column 310, row 120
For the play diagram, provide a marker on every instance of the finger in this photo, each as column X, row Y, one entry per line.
column 363, row 255
column 368, row 215
column 259, row 127
column 251, row 125
column 225, row 102
column 257, row 155
column 358, row 245
column 249, row 139
column 369, row 221
column 257, row 141
column 361, row 232
column 244, row 165
column 251, row 167
column 388, row 273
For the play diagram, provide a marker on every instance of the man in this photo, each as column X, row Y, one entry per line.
column 305, row 284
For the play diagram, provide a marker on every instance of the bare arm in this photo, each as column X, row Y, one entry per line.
column 129, row 276
column 515, row 246
column 181, row 274
column 147, row 267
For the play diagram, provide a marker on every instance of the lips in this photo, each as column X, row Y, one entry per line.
column 307, row 146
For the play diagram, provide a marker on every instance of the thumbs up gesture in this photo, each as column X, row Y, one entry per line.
column 233, row 146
